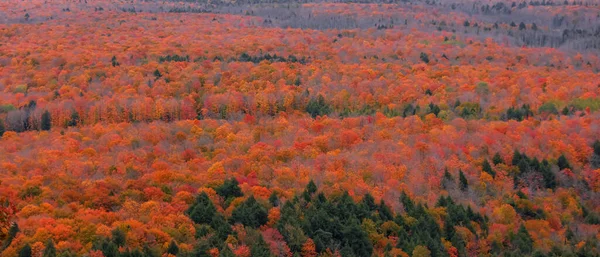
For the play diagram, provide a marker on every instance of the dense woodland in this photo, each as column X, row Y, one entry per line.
column 299, row 128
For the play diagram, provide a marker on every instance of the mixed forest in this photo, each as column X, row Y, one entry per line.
column 429, row 128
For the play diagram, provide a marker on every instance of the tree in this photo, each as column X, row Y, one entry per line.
column 488, row 168
column 357, row 239
column 173, row 248
column 274, row 200
column 250, row 213
column 308, row 249
column 311, row 187
column 25, row 251
column 226, row 252
column 157, row 74
column 119, row 237
column 464, row 184
column 260, row 248
column 424, row 57
column 318, row 106
column 50, row 250
column 202, row 210
column 522, row 26
column 74, row 119
column 229, row 189
column 114, row 61
column 497, row 159
column 522, row 241
column 46, row 121
column 421, row 251
column 563, row 163
column 2, row 128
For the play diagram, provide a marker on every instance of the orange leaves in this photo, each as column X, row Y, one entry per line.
column 309, row 249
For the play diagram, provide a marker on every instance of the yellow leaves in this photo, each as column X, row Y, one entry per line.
column 196, row 131
column 505, row 214
column 216, row 172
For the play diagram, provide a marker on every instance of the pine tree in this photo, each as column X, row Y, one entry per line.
column 46, row 121
column 488, row 168
column 157, row 74
column 202, row 210
column 250, row 213
column 273, row 199
column 118, row 237
column 50, row 250
column 25, row 251
column 229, row 189
column 2, row 128
column 522, row 241
column 563, row 163
column 311, row 187
column 173, row 248
column 260, row 248
column 226, row 252
column 74, row 119
column 357, row 239
column 497, row 159
column 464, row 184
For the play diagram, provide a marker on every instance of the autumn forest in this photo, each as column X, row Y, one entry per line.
column 251, row 128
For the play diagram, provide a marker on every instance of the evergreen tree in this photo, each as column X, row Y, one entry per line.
column 522, row 241
column 118, row 237
column 114, row 61
column 447, row 175
column 226, row 252
column 424, row 57
column 74, row 119
column 488, row 168
column 318, row 106
column 202, row 210
column 464, row 184
column 173, row 248
column 25, row 251
column 408, row 203
column 273, row 199
column 46, row 121
column 311, row 187
column 260, row 248
column 357, row 239
column 385, row 213
column 229, row 189
column 369, row 202
column 250, row 213
column 12, row 233
column 2, row 128
column 497, row 159
column 563, row 163
column 157, row 74
column 201, row 249
column 596, row 147
column 50, row 250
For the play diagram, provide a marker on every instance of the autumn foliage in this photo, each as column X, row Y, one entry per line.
column 205, row 128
